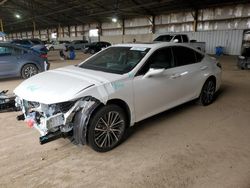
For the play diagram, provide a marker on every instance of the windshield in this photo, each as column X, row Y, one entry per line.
column 117, row 60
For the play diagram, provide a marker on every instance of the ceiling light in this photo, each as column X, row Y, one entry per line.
column 18, row 16
column 114, row 19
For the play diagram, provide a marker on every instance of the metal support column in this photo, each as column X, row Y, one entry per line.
column 1, row 25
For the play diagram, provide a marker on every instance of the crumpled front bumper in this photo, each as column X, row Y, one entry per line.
column 53, row 124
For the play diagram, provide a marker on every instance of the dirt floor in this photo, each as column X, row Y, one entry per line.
column 189, row 146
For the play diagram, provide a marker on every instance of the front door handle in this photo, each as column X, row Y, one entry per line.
column 204, row 67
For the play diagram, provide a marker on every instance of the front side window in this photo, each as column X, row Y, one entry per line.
column 117, row 60
column 183, row 55
column 161, row 58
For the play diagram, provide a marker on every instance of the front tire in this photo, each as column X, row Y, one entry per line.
column 107, row 128
column 207, row 92
column 28, row 70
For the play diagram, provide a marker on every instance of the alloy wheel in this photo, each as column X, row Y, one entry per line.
column 30, row 71
column 208, row 92
column 109, row 129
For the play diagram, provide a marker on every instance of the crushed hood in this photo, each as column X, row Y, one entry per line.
column 61, row 84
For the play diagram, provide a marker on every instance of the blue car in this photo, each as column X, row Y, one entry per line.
column 16, row 61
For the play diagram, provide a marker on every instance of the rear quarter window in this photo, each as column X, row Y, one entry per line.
column 184, row 38
column 199, row 57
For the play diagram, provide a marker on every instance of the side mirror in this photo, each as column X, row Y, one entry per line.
column 153, row 72
column 176, row 41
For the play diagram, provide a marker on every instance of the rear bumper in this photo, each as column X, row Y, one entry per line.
column 47, row 65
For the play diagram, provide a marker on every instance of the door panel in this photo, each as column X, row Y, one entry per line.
column 190, row 64
column 159, row 92
column 156, row 94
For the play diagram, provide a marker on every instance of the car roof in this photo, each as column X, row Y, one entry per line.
column 149, row 45
column 155, row 45
column 13, row 45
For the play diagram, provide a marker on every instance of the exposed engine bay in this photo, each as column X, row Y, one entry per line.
column 54, row 121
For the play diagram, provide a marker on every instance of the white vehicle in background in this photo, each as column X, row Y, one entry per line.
column 57, row 45
column 96, row 101
column 181, row 38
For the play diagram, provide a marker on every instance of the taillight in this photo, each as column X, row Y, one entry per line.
column 45, row 56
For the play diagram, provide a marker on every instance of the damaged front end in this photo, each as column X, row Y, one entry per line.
column 54, row 121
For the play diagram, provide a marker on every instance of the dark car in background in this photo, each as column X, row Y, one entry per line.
column 77, row 44
column 17, row 61
column 96, row 47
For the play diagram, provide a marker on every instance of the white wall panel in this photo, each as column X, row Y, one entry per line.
column 111, row 32
column 174, row 18
column 86, row 27
column 93, row 26
column 139, row 30
column 111, row 25
column 72, row 28
column 174, row 28
column 137, row 22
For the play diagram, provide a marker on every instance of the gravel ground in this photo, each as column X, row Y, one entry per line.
column 188, row 146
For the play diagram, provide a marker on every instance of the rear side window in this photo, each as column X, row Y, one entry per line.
column 183, row 56
column 17, row 51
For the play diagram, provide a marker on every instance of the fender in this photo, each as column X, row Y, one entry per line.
column 81, row 121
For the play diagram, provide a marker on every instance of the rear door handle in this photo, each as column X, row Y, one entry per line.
column 173, row 76
column 204, row 67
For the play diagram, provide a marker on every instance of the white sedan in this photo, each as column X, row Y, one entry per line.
column 96, row 101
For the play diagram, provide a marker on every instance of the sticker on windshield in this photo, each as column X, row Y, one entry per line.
column 138, row 48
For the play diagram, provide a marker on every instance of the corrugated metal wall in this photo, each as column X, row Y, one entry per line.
column 230, row 40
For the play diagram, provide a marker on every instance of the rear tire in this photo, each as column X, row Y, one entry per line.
column 107, row 128
column 92, row 51
column 29, row 70
column 207, row 93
